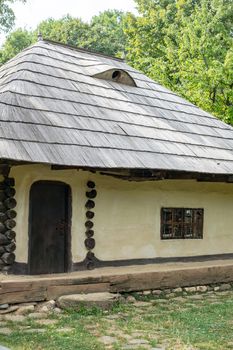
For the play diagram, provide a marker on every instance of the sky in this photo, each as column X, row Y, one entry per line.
column 30, row 14
column 34, row 11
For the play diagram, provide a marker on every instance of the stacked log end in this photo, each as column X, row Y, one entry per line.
column 7, row 224
column 89, row 225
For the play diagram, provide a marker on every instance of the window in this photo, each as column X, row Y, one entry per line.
column 117, row 75
column 181, row 223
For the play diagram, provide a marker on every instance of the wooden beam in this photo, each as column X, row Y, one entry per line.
column 4, row 169
column 54, row 292
column 115, row 279
column 152, row 174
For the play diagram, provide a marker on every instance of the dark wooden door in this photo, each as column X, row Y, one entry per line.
column 49, row 224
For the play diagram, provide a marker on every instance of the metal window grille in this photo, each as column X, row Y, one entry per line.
column 182, row 223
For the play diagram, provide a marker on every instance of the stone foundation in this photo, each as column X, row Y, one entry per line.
column 38, row 309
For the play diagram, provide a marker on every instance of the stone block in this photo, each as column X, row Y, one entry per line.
column 190, row 289
column 24, row 310
column 202, row 289
column 90, row 300
column 157, row 292
column 177, row 290
column 224, row 286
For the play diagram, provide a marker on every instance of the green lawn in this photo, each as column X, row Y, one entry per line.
column 182, row 323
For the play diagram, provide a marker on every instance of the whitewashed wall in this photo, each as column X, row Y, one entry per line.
column 127, row 214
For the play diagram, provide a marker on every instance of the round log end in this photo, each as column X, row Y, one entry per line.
column 9, row 181
column 8, row 258
column 10, row 223
column 3, row 217
column 91, row 194
column 89, row 224
column 90, row 243
column 90, row 204
column 90, row 255
column 10, row 191
column 90, row 233
column 11, row 214
column 2, row 227
column 3, row 239
column 10, row 248
column 10, row 234
column 10, row 203
column 90, row 184
column 90, row 214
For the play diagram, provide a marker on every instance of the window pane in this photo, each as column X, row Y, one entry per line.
column 178, row 215
column 177, row 231
column 167, row 215
column 179, row 223
column 167, row 232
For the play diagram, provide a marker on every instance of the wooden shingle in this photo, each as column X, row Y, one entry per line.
column 52, row 110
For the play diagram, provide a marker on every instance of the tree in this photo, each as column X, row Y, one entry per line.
column 16, row 42
column 107, row 33
column 67, row 30
column 104, row 34
column 7, row 17
column 187, row 45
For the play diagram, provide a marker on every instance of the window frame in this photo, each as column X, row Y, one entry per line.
column 195, row 226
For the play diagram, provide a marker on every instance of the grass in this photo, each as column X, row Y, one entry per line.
column 176, row 324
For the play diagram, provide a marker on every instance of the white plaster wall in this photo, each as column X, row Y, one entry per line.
column 127, row 214
column 131, row 226
column 25, row 176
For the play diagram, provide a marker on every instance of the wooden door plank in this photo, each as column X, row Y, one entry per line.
column 49, row 227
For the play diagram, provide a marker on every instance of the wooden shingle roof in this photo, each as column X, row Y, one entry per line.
column 52, row 110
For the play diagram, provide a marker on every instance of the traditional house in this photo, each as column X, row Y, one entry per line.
column 102, row 166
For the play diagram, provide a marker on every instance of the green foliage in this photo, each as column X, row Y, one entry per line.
column 186, row 322
column 7, row 16
column 67, row 30
column 15, row 43
column 187, row 45
column 107, row 33
column 104, row 34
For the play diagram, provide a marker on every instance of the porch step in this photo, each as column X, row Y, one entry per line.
column 76, row 301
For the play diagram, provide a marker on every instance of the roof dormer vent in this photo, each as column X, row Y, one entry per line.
column 117, row 75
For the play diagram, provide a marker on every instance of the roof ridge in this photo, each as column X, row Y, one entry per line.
column 82, row 49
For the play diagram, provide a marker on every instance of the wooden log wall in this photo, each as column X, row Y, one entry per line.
column 7, row 224
column 89, row 225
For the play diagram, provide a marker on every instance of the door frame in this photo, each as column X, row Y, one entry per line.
column 68, row 253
